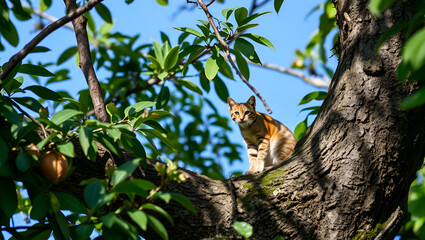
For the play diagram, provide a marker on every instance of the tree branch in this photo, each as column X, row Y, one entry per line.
column 86, row 64
column 46, row 16
column 315, row 81
column 226, row 47
column 15, row 59
column 30, row 117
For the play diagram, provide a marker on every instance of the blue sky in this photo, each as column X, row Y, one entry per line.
column 288, row 31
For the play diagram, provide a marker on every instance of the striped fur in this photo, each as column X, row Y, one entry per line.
column 269, row 142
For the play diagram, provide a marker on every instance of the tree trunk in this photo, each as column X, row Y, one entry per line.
column 350, row 174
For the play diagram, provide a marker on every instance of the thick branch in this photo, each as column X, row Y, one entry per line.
column 86, row 64
column 15, row 59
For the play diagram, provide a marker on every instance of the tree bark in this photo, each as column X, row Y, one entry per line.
column 348, row 177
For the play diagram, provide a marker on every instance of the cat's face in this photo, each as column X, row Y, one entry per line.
column 242, row 113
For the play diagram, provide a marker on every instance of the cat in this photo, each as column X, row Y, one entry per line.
column 269, row 142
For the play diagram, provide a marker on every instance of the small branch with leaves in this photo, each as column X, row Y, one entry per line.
column 17, row 58
column 227, row 51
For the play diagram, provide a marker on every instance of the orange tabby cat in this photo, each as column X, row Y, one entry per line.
column 269, row 142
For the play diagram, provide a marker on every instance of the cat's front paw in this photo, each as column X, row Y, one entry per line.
column 251, row 172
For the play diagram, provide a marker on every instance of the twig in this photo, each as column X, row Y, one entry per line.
column 30, row 117
column 226, row 47
column 46, row 16
column 212, row 1
column 15, row 59
column 86, row 65
column 315, row 81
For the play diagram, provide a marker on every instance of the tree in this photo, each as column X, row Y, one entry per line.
column 348, row 177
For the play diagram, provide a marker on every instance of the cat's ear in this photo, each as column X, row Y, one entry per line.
column 251, row 101
column 231, row 102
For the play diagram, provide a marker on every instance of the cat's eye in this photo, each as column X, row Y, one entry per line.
column 236, row 112
column 247, row 112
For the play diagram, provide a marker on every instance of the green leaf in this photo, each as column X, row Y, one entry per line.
column 158, row 53
column 246, row 27
column 211, row 67
column 300, row 129
column 414, row 50
column 85, row 138
column 44, row 92
column 108, row 142
column 124, row 171
column 23, row 161
column 103, row 12
column 242, row 64
column 67, row 54
column 224, row 68
column 83, row 231
column 259, row 39
column 137, row 186
column 377, row 6
column 157, row 226
column 157, row 209
column 162, row 137
column 243, row 228
column 111, row 108
column 66, row 148
column 190, row 31
column 171, row 58
column 240, row 14
column 13, row 84
column 8, row 31
column 250, row 18
column 138, row 107
column 318, row 95
column 95, row 195
column 183, row 201
column 39, row 49
column 69, row 202
column 139, row 217
column 221, row 89
column 155, row 63
column 227, row 12
column 132, row 144
column 35, row 70
column 8, row 200
column 162, row 98
column 64, row 115
column 190, row 85
column 45, row 4
column 41, row 206
column 62, row 226
column 415, row 100
column 162, row 2
column 247, row 49
column 13, row 73
column 277, row 5
column 29, row 102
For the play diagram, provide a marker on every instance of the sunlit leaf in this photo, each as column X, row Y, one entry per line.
column 243, row 228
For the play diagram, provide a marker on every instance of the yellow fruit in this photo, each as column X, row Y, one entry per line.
column 54, row 166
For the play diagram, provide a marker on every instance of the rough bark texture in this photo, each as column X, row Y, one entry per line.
column 86, row 64
column 349, row 176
